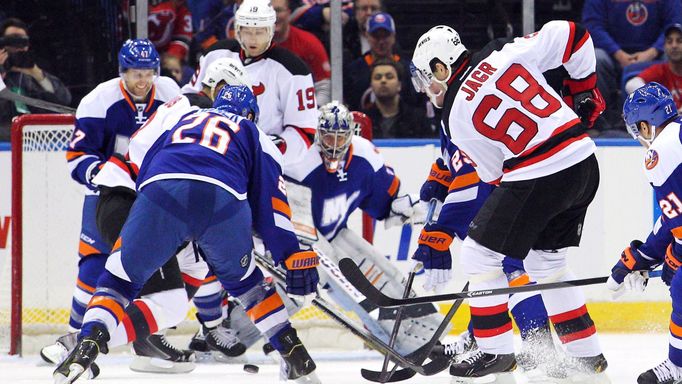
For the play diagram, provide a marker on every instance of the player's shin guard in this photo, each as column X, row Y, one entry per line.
column 492, row 326
column 89, row 270
column 565, row 307
column 209, row 302
column 675, row 349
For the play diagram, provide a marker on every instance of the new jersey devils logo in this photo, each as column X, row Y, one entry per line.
column 258, row 89
column 636, row 13
column 651, row 159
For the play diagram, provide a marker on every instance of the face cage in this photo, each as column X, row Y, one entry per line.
column 633, row 130
column 333, row 154
column 422, row 83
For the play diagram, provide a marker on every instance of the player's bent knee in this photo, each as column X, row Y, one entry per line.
column 547, row 266
column 168, row 307
column 239, row 287
column 480, row 263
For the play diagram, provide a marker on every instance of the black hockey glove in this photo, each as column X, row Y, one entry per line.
column 584, row 98
column 437, row 184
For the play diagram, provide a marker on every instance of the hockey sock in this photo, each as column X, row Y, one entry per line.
column 108, row 302
column 208, row 301
column 266, row 310
column 89, row 270
column 529, row 313
column 675, row 349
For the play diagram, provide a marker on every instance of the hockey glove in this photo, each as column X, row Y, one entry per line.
column 630, row 269
column 433, row 251
column 670, row 266
column 584, row 98
column 406, row 209
column 436, row 185
column 90, row 174
column 302, row 277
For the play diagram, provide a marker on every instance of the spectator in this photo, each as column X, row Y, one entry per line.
column 306, row 46
column 391, row 116
column 170, row 30
column 212, row 20
column 22, row 75
column 314, row 16
column 625, row 33
column 356, row 78
column 355, row 39
column 668, row 73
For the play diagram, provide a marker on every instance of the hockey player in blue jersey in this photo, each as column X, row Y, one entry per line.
column 211, row 179
column 651, row 117
column 453, row 181
column 105, row 120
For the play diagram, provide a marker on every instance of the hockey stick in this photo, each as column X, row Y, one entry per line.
column 385, row 375
column 355, row 276
column 54, row 107
column 423, row 352
column 367, row 337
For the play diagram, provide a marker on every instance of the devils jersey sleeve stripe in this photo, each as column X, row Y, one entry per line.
column 578, row 35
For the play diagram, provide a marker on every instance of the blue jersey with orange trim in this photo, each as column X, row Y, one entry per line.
column 362, row 181
column 663, row 169
column 466, row 193
column 231, row 152
column 105, row 120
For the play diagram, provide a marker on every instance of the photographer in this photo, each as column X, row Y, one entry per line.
column 23, row 76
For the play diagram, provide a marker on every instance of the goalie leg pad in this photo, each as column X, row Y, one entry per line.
column 565, row 307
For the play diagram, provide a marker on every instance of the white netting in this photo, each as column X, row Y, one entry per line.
column 52, row 205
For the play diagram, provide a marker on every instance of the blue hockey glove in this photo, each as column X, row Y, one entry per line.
column 670, row 266
column 628, row 269
column 302, row 277
column 437, row 184
column 434, row 252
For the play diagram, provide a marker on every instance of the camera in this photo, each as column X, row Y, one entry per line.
column 14, row 41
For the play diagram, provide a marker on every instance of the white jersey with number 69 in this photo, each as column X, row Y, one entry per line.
column 501, row 112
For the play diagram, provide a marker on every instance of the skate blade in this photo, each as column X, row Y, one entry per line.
column 156, row 365
column 310, row 378
column 75, row 371
column 222, row 358
column 497, row 378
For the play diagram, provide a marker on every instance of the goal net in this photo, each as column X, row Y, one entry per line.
column 37, row 281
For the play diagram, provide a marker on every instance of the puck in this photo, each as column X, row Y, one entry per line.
column 250, row 368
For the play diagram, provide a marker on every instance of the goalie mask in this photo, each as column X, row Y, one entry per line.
column 334, row 134
column 255, row 26
column 651, row 103
column 227, row 70
column 440, row 44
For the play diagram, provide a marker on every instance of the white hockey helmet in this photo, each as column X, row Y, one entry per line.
column 226, row 69
column 255, row 13
column 440, row 42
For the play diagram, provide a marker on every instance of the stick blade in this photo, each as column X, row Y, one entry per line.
column 353, row 273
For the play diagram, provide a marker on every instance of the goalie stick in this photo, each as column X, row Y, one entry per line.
column 419, row 356
column 358, row 279
column 375, row 343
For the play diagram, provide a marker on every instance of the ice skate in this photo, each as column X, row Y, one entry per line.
column 155, row 354
column 222, row 340
column 537, row 349
column 296, row 364
column 485, row 368
column 577, row 370
column 82, row 356
column 56, row 353
column 664, row 373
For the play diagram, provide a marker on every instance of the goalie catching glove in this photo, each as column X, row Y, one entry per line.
column 302, row 277
column 406, row 209
column 630, row 272
column 434, row 252
column 584, row 98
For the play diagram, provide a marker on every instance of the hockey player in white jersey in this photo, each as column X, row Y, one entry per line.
column 163, row 302
column 281, row 81
column 518, row 133
column 237, row 181
column 651, row 117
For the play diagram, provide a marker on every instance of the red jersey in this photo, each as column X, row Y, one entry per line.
column 661, row 73
column 306, row 46
column 170, row 28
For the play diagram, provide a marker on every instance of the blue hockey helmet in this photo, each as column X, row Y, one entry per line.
column 652, row 103
column 138, row 54
column 239, row 100
column 334, row 133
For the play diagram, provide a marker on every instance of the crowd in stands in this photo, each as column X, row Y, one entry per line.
column 635, row 42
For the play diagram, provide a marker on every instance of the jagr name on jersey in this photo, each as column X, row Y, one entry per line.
column 481, row 74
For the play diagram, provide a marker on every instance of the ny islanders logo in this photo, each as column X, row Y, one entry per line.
column 637, row 14
column 651, row 159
